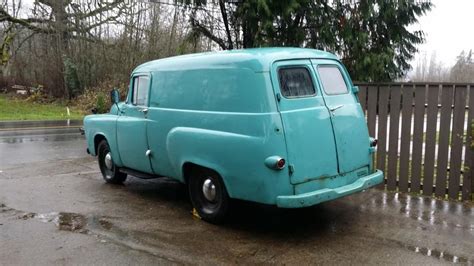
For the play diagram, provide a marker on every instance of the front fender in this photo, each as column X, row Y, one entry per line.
column 104, row 125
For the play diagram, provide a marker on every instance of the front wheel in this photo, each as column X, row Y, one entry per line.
column 208, row 195
column 110, row 172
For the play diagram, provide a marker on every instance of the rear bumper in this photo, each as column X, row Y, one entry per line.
column 327, row 194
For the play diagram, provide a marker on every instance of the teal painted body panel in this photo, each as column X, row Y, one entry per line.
column 223, row 111
column 132, row 138
column 103, row 125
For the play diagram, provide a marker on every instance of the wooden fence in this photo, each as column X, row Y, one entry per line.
column 424, row 136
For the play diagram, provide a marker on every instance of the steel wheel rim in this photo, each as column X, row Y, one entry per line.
column 108, row 161
column 106, row 171
column 209, row 190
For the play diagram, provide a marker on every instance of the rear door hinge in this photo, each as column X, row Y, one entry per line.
column 291, row 169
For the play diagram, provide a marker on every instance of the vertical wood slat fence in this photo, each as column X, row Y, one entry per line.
column 424, row 136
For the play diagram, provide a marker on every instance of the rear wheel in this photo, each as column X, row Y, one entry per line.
column 208, row 195
column 110, row 172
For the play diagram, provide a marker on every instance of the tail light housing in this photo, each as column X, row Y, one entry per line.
column 373, row 142
column 275, row 162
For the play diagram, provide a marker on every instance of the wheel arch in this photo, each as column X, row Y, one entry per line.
column 97, row 139
column 188, row 167
column 100, row 136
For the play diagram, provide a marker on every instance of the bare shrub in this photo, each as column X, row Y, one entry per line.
column 99, row 96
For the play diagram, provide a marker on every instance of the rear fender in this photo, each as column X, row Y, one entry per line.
column 238, row 158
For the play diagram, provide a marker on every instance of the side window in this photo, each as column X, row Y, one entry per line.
column 141, row 85
column 332, row 80
column 295, row 82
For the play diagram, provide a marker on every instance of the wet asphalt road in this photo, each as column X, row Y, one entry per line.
column 55, row 209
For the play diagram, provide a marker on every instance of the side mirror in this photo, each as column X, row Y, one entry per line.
column 355, row 90
column 114, row 96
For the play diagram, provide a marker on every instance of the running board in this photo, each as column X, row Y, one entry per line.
column 138, row 174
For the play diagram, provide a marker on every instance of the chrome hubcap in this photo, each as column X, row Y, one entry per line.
column 209, row 190
column 108, row 161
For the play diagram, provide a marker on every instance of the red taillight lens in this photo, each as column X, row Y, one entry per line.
column 280, row 164
column 374, row 143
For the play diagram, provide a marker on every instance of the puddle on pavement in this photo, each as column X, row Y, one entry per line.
column 441, row 255
column 40, row 138
column 4, row 208
column 67, row 221
column 425, row 209
column 70, row 222
column 26, row 216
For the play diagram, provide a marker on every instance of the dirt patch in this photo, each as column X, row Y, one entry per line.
column 27, row 216
column 71, row 222
column 107, row 225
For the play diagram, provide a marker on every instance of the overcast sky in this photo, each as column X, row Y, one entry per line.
column 449, row 29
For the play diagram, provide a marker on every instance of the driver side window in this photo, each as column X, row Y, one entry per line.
column 141, row 86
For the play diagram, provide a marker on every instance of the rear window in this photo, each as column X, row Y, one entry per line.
column 295, row 82
column 332, row 80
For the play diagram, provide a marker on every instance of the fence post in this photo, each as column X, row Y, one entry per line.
column 447, row 94
column 430, row 142
column 405, row 144
column 418, row 125
column 363, row 97
column 457, row 136
column 392, row 170
column 468, row 185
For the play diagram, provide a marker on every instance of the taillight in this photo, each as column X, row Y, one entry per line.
column 275, row 162
column 280, row 164
column 373, row 143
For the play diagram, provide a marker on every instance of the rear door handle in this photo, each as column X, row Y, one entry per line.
column 335, row 108
column 143, row 110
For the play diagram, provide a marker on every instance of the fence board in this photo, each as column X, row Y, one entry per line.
column 395, row 95
column 456, row 141
column 467, row 184
column 372, row 92
column 418, row 128
column 443, row 143
column 384, row 92
column 363, row 97
column 407, row 106
column 430, row 142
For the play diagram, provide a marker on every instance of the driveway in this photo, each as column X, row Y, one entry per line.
column 55, row 209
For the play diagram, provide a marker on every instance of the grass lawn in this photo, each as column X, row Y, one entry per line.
column 17, row 109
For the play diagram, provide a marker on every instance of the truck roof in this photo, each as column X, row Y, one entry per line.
column 257, row 59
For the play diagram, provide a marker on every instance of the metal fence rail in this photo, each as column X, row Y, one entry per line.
column 424, row 133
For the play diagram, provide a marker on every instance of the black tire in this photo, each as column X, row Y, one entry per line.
column 213, row 211
column 112, row 175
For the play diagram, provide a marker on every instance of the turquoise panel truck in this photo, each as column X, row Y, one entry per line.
column 278, row 126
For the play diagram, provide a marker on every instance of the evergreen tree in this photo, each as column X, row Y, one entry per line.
column 463, row 70
column 371, row 36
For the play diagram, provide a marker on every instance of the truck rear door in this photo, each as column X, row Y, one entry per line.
column 348, row 121
column 306, row 120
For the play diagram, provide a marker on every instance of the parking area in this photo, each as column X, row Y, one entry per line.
column 55, row 209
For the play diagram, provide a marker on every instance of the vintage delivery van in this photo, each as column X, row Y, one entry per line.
column 280, row 126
